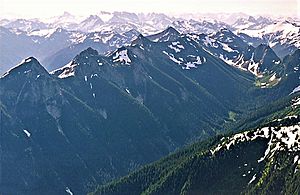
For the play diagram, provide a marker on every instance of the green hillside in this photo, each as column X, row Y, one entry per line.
column 263, row 160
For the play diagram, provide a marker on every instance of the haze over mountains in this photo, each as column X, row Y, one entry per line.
column 96, row 98
column 60, row 38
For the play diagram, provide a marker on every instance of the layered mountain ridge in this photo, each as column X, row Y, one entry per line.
column 106, row 103
column 67, row 36
column 78, row 107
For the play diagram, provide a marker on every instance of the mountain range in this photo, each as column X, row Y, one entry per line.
column 105, row 103
column 60, row 39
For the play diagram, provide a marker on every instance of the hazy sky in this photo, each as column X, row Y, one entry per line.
column 46, row 8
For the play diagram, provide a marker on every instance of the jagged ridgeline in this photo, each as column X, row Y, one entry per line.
column 262, row 160
column 57, row 41
column 101, row 116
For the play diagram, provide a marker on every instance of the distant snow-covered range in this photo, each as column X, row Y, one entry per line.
column 149, row 23
column 55, row 41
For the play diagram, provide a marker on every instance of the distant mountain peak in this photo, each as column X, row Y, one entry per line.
column 251, row 19
column 29, row 59
column 78, row 64
column 93, row 17
column 140, row 40
column 84, row 56
column 66, row 13
column 89, row 52
column 172, row 30
column 28, row 67
column 168, row 34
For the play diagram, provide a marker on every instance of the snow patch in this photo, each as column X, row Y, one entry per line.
column 27, row 71
column 127, row 90
column 277, row 62
column 189, row 65
column 69, row 191
column 280, row 139
column 296, row 159
column 174, row 48
column 226, row 60
column 227, row 48
column 66, row 71
column 253, row 178
column 171, row 56
column 28, row 60
column 193, row 64
column 207, row 41
column 122, row 57
column 99, row 63
column 253, row 66
column 296, row 89
column 296, row 102
column 27, row 133
column 273, row 77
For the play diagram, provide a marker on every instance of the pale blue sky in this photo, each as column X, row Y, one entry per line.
column 46, row 8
